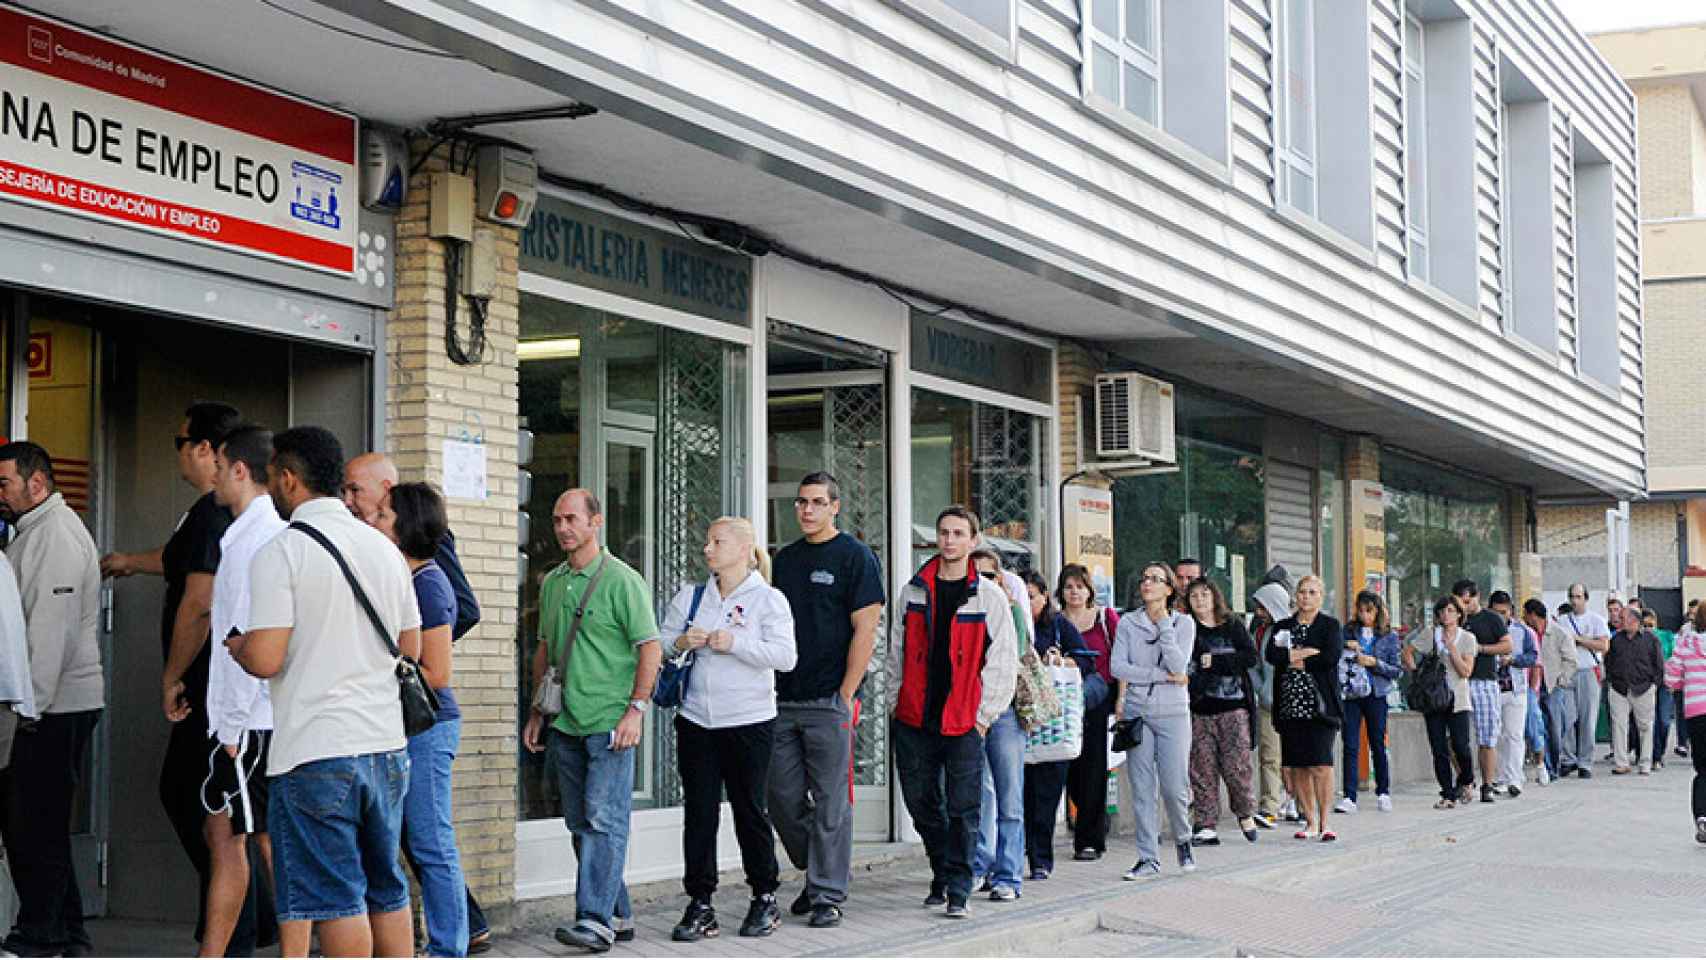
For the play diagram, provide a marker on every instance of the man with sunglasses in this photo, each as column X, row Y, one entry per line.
column 188, row 561
column 835, row 588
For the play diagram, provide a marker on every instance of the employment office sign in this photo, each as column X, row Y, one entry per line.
column 102, row 129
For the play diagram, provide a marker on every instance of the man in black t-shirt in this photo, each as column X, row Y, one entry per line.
column 834, row 587
column 188, row 562
column 1493, row 640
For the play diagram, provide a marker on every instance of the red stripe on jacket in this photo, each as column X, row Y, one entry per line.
column 968, row 639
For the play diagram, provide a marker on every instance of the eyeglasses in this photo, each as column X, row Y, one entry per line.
column 1157, row 578
column 179, row 441
column 800, row 503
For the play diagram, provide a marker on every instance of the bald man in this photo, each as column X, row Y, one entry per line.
column 367, row 480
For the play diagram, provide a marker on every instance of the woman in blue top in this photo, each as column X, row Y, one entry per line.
column 1367, row 669
column 413, row 517
column 1053, row 636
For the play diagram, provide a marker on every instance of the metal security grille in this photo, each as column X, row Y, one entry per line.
column 858, row 459
column 695, row 447
column 1005, row 477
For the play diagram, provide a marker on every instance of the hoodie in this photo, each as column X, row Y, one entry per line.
column 1275, row 599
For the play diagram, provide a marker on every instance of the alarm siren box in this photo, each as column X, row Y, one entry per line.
column 506, row 186
column 384, row 162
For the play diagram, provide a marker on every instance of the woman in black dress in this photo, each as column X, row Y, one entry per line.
column 1310, row 642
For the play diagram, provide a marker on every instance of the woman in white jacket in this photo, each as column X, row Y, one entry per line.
column 739, row 631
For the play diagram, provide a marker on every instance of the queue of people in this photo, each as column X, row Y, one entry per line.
column 308, row 597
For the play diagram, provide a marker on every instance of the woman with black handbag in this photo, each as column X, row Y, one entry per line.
column 1448, row 653
column 1306, row 647
column 1087, row 776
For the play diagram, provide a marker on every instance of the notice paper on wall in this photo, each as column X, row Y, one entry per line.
column 464, row 470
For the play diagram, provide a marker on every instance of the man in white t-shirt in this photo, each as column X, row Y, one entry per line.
column 1578, row 703
column 338, row 761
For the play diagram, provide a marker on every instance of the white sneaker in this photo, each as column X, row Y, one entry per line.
column 1383, row 803
column 1345, row 805
column 1288, row 811
column 1543, row 777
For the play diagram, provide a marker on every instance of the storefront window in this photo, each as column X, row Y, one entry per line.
column 1330, row 525
column 652, row 419
column 987, row 457
column 1211, row 508
column 1440, row 527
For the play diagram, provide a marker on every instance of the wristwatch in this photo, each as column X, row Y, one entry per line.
column 640, row 705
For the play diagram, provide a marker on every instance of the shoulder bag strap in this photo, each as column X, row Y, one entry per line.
column 575, row 621
column 355, row 585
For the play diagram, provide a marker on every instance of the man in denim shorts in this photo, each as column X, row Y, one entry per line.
column 338, row 763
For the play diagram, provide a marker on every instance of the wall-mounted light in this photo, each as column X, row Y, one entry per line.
column 557, row 348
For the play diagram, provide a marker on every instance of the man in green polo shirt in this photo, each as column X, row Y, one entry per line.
column 607, row 686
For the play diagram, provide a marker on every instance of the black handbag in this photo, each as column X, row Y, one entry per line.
column 420, row 702
column 1128, row 735
column 1430, row 692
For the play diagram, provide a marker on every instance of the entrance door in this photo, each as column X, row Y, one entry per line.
column 834, row 418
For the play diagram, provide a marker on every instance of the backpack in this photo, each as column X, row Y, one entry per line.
column 1431, row 691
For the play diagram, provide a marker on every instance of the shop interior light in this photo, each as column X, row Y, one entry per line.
column 558, row 348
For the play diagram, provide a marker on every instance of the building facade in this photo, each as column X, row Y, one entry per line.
column 1384, row 254
column 1666, row 69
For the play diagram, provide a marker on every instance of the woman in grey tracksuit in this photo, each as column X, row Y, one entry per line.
column 1152, row 649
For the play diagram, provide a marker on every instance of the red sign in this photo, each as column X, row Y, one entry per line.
column 104, row 129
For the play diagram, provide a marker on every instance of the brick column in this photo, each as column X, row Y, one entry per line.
column 430, row 399
column 1365, row 523
column 1076, row 372
column 1526, row 568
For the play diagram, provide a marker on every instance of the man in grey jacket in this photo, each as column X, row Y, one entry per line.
column 59, row 581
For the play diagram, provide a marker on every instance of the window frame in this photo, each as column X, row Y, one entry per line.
column 1287, row 155
column 1129, row 56
column 1416, row 227
column 938, row 15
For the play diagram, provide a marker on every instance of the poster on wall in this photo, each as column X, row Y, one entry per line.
column 99, row 128
column 1089, row 536
column 1368, row 536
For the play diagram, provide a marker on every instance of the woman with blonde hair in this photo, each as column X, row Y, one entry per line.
column 1308, row 708
column 738, row 631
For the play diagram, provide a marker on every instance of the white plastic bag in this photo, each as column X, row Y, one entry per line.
column 1061, row 738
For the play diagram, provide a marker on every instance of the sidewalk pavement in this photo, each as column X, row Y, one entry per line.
column 1606, row 866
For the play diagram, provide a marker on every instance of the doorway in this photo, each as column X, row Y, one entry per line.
column 827, row 410
column 104, row 392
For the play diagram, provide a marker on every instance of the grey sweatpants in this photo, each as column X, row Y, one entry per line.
column 1161, row 762
column 810, row 797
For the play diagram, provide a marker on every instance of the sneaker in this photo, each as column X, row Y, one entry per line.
column 1513, row 791
column 802, row 905
column 982, row 885
column 1288, row 812
column 936, row 897
column 1143, row 870
column 1205, row 837
column 1543, row 776
column 826, row 915
column 1003, row 894
column 1681, row 750
column 698, row 922
column 1345, row 805
column 1486, row 793
column 583, row 937
column 1644, row 770
column 1584, row 773
column 1038, row 873
column 1263, row 819
column 624, row 927
column 1383, row 803
column 956, row 910
column 1087, row 855
column 762, row 918
column 1187, row 862
column 1699, row 830
column 1566, row 769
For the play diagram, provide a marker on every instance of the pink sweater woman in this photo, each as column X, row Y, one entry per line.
column 1685, row 671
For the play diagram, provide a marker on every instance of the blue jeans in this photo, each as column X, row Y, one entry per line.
column 336, row 825
column 1662, row 710
column 1001, row 816
column 597, row 787
column 429, row 838
column 1373, row 711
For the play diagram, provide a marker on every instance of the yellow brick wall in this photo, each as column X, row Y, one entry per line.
column 1076, row 371
column 1668, row 122
column 430, row 399
column 1675, row 333
column 1579, row 531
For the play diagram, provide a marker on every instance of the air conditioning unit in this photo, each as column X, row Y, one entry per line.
column 1134, row 417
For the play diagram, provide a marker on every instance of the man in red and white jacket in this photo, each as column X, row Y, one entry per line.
column 952, row 667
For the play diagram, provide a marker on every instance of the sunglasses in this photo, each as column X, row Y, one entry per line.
column 988, row 574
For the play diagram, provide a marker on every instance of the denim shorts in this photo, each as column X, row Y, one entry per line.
column 336, row 825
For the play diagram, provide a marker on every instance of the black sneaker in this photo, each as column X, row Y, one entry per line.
column 1700, row 829
column 1584, row 773
column 936, row 897
column 1087, row 855
column 1187, row 862
column 802, row 905
column 762, row 918
column 698, row 922
column 1486, row 793
column 826, row 915
column 1513, row 791
column 957, row 910
column 624, row 927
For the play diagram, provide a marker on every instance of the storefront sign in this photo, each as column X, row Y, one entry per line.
column 1089, row 536
column 948, row 348
column 102, row 129
column 592, row 249
column 1368, row 536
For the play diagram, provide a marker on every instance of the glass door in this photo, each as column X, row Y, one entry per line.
column 630, row 469
column 836, row 421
